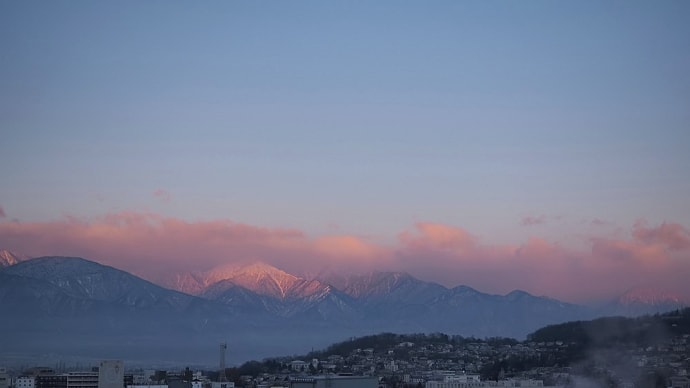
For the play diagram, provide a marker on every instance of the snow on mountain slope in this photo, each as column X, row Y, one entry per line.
column 276, row 291
column 89, row 280
column 191, row 283
column 262, row 293
column 8, row 258
column 391, row 286
column 259, row 278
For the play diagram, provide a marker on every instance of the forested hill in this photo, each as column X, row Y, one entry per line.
column 645, row 330
column 380, row 343
column 554, row 346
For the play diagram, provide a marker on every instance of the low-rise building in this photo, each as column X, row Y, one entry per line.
column 222, row 384
column 299, row 365
column 330, row 381
column 111, row 374
column 25, row 382
column 51, row 381
column 82, row 379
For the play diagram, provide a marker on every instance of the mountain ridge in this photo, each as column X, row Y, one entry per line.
column 260, row 307
column 384, row 299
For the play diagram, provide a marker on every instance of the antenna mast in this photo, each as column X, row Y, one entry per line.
column 221, row 375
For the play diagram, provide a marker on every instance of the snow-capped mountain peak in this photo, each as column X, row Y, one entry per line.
column 259, row 277
column 8, row 258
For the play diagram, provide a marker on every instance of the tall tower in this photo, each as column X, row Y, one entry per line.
column 221, row 374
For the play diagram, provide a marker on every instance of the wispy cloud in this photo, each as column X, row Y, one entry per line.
column 600, row 222
column 533, row 220
column 434, row 236
column 147, row 243
column 162, row 195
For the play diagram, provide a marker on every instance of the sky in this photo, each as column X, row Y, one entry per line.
column 535, row 145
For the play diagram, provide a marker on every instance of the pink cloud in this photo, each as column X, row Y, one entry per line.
column 537, row 249
column 149, row 244
column 162, row 195
column 452, row 256
column 347, row 246
column 2, row 212
column 532, row 220
column 671, row 236
column 628, row 252
column 436, row 236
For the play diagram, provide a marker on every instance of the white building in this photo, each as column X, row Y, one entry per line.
column 111, row 374
column 83, row 380
column 299, row 365
column 222, row 384
column 25, row 382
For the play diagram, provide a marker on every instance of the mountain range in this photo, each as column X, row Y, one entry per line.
column 72, row 307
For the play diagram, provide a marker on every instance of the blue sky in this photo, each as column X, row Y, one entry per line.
column 349, row 117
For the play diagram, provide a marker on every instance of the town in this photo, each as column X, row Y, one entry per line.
column 418, row 360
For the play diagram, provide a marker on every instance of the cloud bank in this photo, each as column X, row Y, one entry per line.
column 148, row 244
